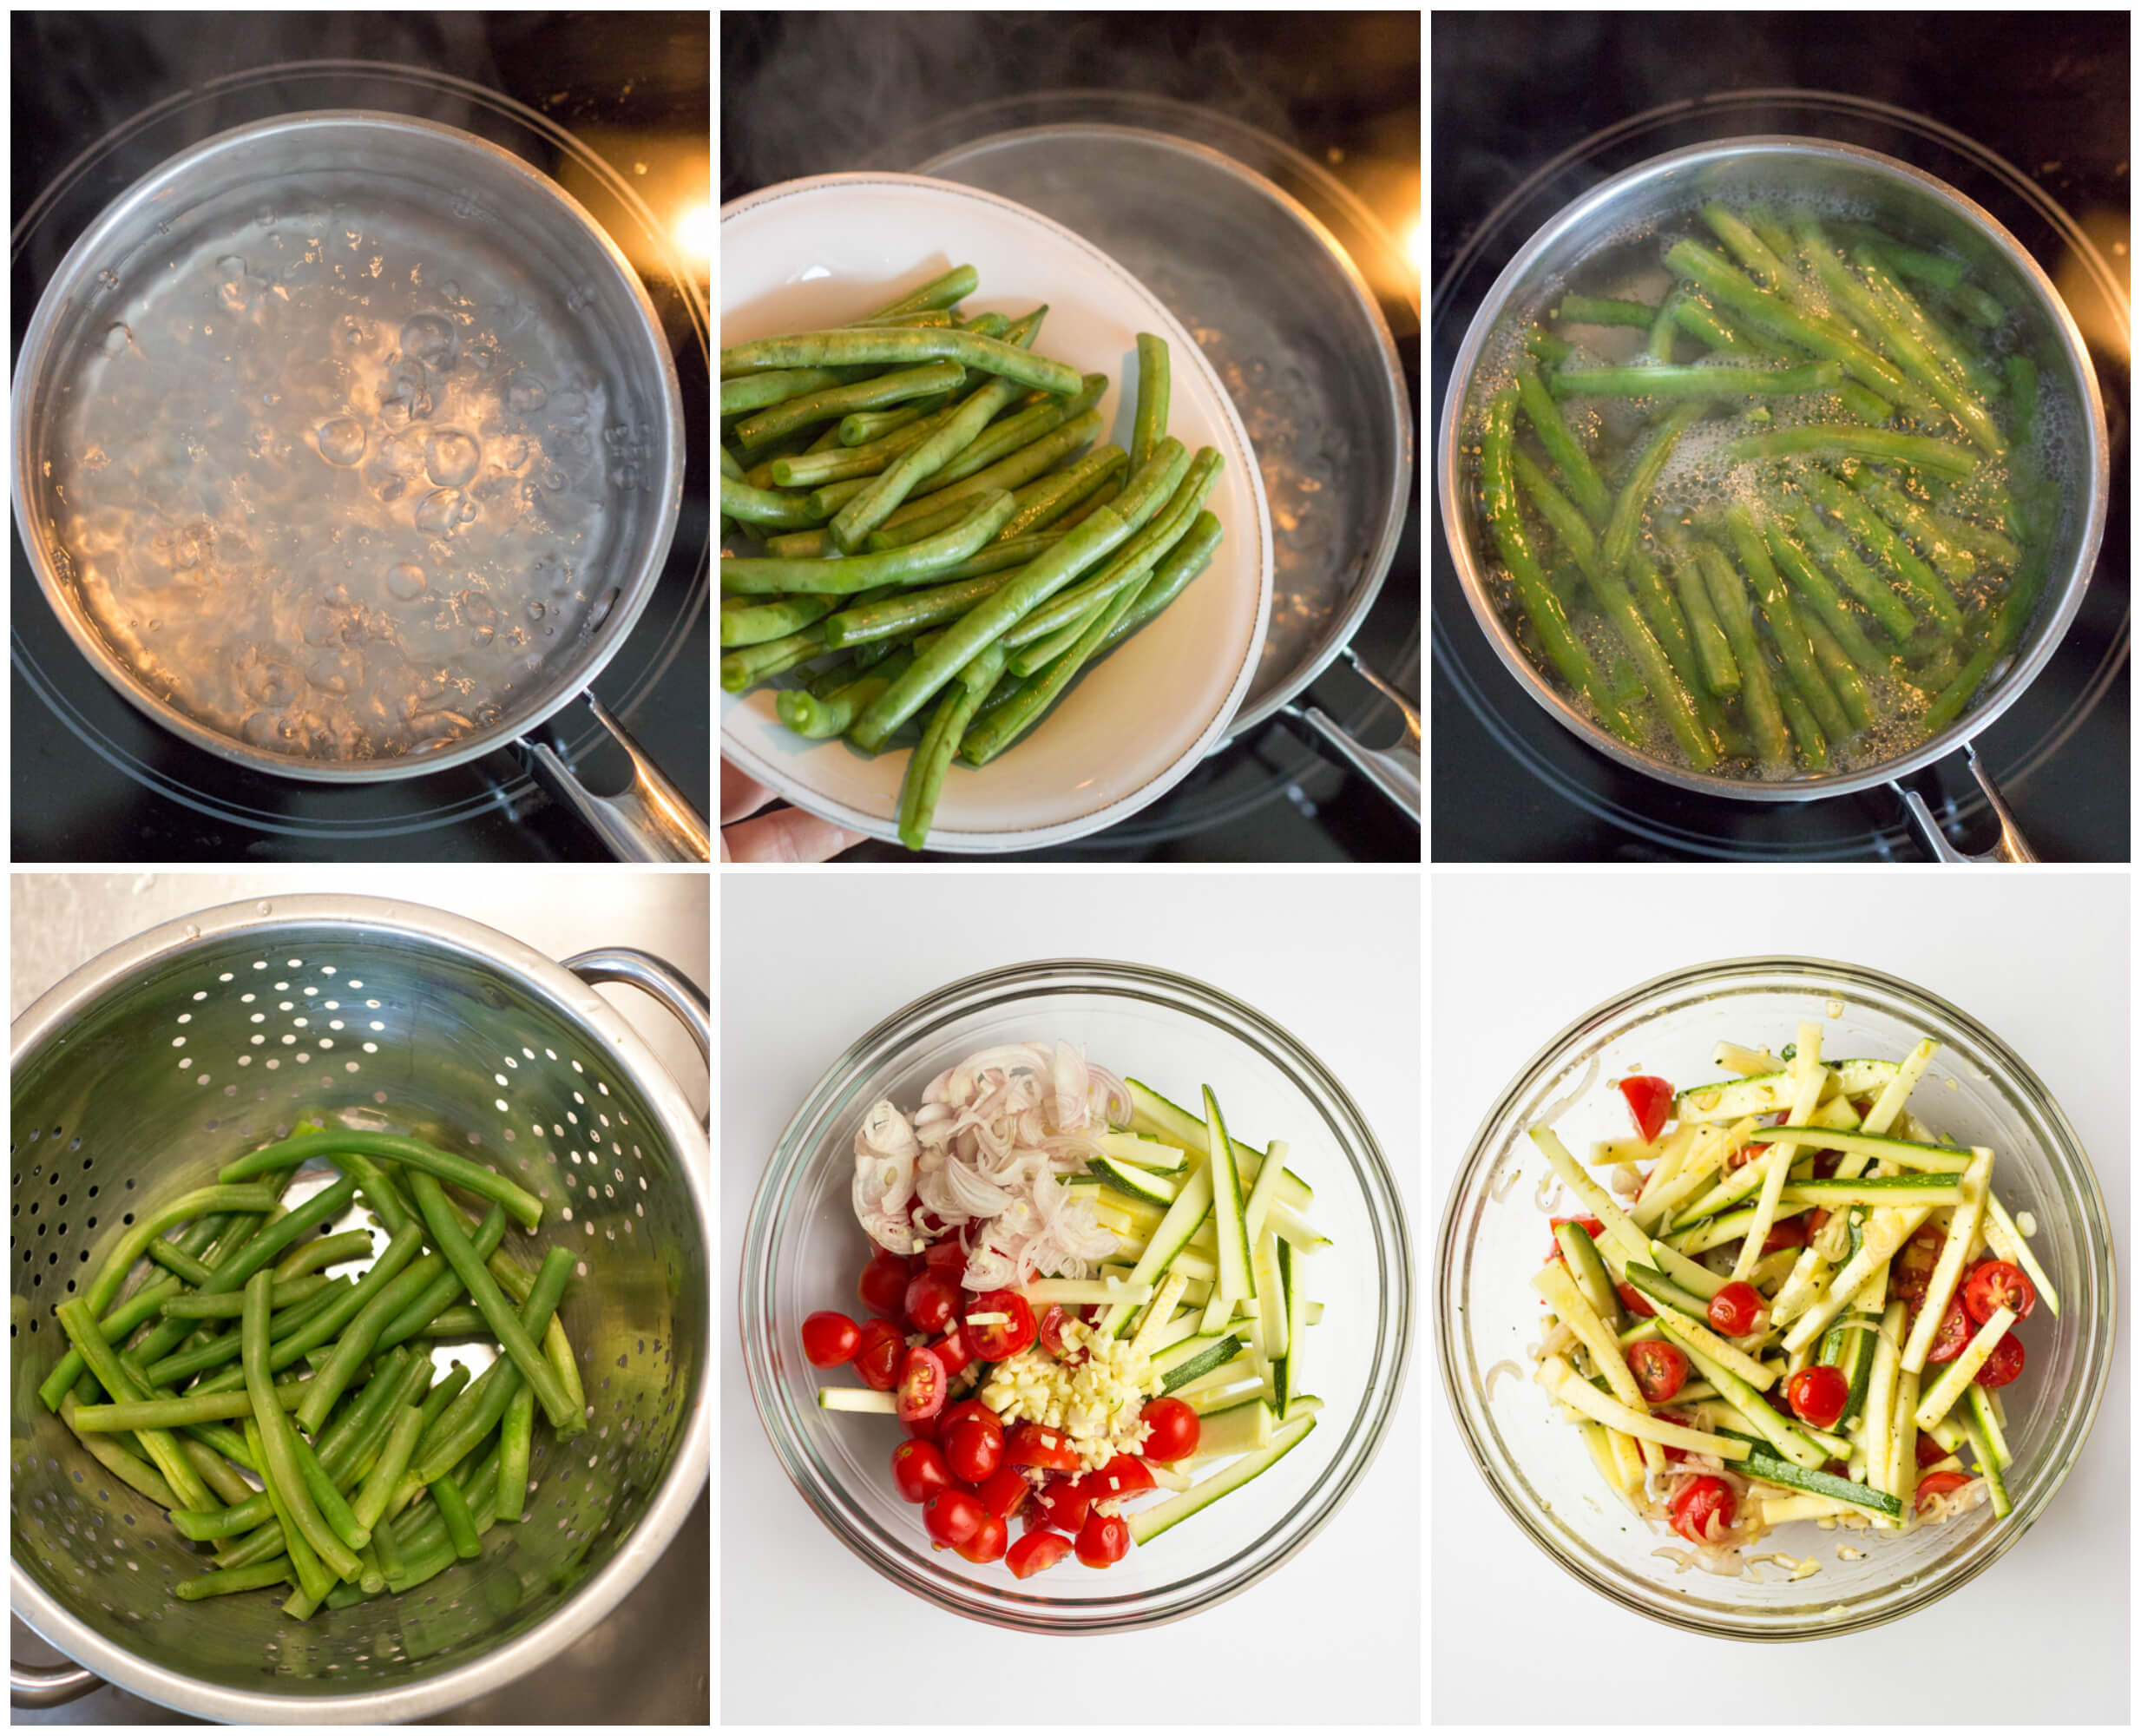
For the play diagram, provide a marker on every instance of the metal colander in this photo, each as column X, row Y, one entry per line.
column 174, row 1054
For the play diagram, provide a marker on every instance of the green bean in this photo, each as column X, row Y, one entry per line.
column 412, row 1154
column 1150, row 426
column 1838, row 557
column 176, row 1260
column 135, row 1241
column 401, row 1441
column 390, row 1552
column 466, row 1422
column 948, row 291
column 827, row 719
column 1697, row 380
column 288, row 1291
column 1823, row 598
column 1050, row 498
column 980, row 519
column 1015, row 434
column 1891, row 548
column 860, row 428
column 177, row 1413
column 875, row 620
column 136, row 1473
column 212, row 1352
column 827, row 349
column 1804, row 730
column 1765, row 717
column 731, row 467
column 1668, row 622
column 1822, row 440
column 1947, row 349
column 841, row 463
column 749, row 505
column 1700, row 320
column 755, row 391
column 452, row 1240
column 1592, row 309
column 1785, row 632
column 1657, row 347
column 220, row 1582
column 332, row 1507
column 782, row 420
column 516, row 1438
column 312, row 1256
column 757, row 621
column 743, row 670
column 886, row 491
column 1864, row 402
column 366, row 1321
column 1987, row 544
column 314, row 1577
column 1022, row 470
column 78, row 1321
column 354, row 1441
column 280, row 1469
column 441, row 1287
column 1577, row 474
column 1978, row 307
column 1190, row 556
column 1634, row 498
column 1544, row 347
column 1106, row 495
column 928, row 317
column 1912, row 520
column 1838, row 670
column 455, row 1322
column 927, row 765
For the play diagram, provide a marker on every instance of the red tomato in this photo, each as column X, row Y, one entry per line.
column 947, row 1258
column 1171, row 1430
column 1929, row 1451
column 877, row 1357
column 1660, row 1370
column 1036, row 1552
column 1790, row 1234
column 830, row 1339
column 1052, row 1325
column 995, row 1340
column 1818, row 1394
column 1033, row 1516
column 932, row 1300
column 1031, row 1445
column 951, row 1516
column 953, row 1350
column 1122, row 1475
column 1955, row 1333
column 2003, row 1365
column 1734, row 1309
column 1941, row 1482
column 1914, row 1264
column 973, row 1451
column 919, row 1469
column 970, row 1410
column 883, row 1284
column 1593, row 1227
column 922, row 1428
column 1635, row 1301
column 1745, row 1155
column 920, row 1385
column 1992, row 1284
column 1650, row 1102
column 1705, row 1503
column 1065, row 1503
column 1004, row 1493
column 1103, row 1539
column 990, row 1539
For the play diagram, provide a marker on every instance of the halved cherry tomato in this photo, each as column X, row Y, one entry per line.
column 1122, row 1475
column 1593, row 1227
column 947, row 1258
column 830, row 1339
column 1914, row 1264
column 1941, row 1482
column 970, row 1410
column 1992, row 1284
column 920, row 1470
column 1955, row 1333
column 1650, row 1102
column 991, row 1538
column 1052, row 1323
column 1929, row 1451
column 2003, row 1365
column 931, row 1301
column 1171, row 1430
column 995, row 1340
column 1103, row 1539
column 921, row 1384
column 1734, row 1309
column 1660, row 1370
column 1036, row 1552
column 1004, row 1493
column 1033, row 1516
column 1819, row 1393
column 882, row 1285
column 1790, row 1234
column 1031, row 1445
column 1065, row 1503
column 923, row 1428
column 973, row 1451
column 1635, row 1301
column 878, row 1356
column 951, row 1516
column 953, row 1350
column 1705, row 1505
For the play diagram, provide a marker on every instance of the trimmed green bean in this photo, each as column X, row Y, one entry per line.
column 393, row 1462
column 1806, row 734
column 515, row 1441
column 1150, row 427
column 749, row 505
column 782, row 420
column 176, row 1413
column 1634, row 498
column 1696, row 381
column 1190, row 556
column 828, row 719
column 981, row 519
column 1839, row 672
column 104, row 1361
column 755, row 391
column 412, row 1154
column 1578, row 475
column 1023, row 471
column 1823, row 441
column 281, row 1470
column 903, row 348
column 221, row 1582
column 1594, row 310
column 1823, row 598
column 332, row 1507
column 441, row 1288
column 759, row 620
column 1911, row 519
column 314, row 1577
column 1838, row 557
column 1785, row 632
column 1765, row 717
column 948, row 291
column 312, row 1256
column 1014, row 434
column 927, row 765
column 137, row 1474
column 1856, row 518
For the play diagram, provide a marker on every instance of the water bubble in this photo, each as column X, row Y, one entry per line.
column 524, row 394
column 392, row 489
column 451, row 457
column 117, row 337
column 432, row 337
column 403, row 454
column 406, row 581
column 439, row 511
column 342, row 440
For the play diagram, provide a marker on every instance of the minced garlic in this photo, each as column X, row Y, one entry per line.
column 1096, row 1403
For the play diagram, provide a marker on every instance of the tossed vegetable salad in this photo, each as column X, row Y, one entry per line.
column 1795, row 1301
column 1081, row 1295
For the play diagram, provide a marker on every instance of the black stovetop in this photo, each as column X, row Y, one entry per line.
column 1531, row 109
column 94, row 781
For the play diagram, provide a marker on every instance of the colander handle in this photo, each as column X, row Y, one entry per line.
column 655, row 977
column 649, row 820
column 35, row 1687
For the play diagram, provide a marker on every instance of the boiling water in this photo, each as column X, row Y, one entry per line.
column 329, row 494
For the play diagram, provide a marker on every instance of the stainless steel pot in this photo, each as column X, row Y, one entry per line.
column 348, row 446
column 1914, row 204
column 162, row 1058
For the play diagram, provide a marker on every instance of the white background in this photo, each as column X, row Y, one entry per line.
column 2039, row 958
column 809, row 1634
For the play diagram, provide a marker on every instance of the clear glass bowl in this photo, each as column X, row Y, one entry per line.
column 803, row 1251
column 1978, row 1090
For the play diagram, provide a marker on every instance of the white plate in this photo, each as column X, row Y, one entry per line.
column 809, row 254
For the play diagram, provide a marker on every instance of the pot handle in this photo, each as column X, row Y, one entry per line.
column 651, row 820
column 655, row 977
column 1395, row 771
column 2012, row 846
column 37, row 1688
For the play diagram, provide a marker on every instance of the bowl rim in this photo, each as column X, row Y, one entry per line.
column 2056, row 613
column 1386, row 1210
column 2000, row 1539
